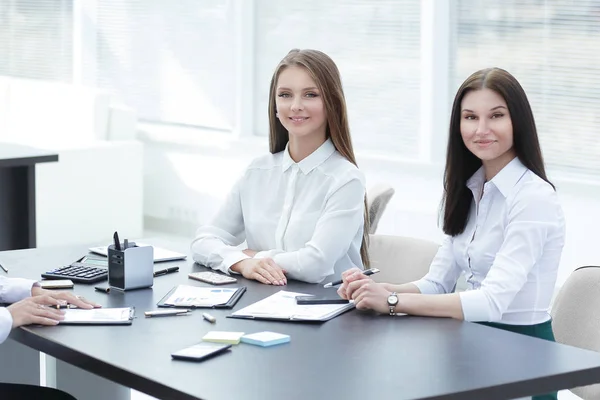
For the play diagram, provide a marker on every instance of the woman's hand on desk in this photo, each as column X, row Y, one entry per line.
column 351, row 275
column 64, row 298
column 35, row 310
column 263, row 270
column 370, row 295
column 366, row 293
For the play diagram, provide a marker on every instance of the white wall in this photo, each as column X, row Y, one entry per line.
column 186, row 181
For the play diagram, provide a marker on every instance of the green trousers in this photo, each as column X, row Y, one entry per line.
column 541, row 331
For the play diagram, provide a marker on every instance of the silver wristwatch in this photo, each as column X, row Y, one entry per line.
column 392, row 301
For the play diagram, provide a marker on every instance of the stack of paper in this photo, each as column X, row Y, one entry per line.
column 223, row 337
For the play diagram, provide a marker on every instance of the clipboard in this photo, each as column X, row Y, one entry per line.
column 99, row 316
column 282, row 306
column 233, row 299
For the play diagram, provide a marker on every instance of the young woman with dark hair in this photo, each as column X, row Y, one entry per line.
column 505, row 227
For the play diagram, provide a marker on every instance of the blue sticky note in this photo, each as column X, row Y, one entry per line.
column 265, row 339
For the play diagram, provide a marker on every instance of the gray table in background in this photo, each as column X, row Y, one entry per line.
column 358, row 355
column 17, row 194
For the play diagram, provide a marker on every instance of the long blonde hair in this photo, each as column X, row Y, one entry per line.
column 326, row 75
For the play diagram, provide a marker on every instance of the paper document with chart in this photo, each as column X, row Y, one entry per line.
column 282, row 306
column 201, row 297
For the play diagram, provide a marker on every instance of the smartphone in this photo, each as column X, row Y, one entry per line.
column 57, row 284
column 212, row 277
column 320, row 300
column 200, row 351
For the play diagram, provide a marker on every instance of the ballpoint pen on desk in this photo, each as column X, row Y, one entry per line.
column 365, row 272
column 59, row 306
column 166, row 271
column 166, row 313
column 4, row 268
column 102, row 289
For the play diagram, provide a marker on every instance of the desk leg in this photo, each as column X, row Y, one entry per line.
column 85, row 385
column 20, row 364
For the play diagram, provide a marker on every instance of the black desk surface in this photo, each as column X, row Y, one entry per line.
column 16, row 155
column 358, row 355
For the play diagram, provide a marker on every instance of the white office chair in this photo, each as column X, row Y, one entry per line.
column 378, row 197
column 400, row 259
column 576, row 317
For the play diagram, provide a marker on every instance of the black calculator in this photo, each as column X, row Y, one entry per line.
column 87, row 269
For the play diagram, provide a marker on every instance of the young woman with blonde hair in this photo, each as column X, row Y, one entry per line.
column 300, row 209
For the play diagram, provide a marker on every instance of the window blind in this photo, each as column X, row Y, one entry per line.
column 36, row 39
column 170, row 60
column 376, row 46
column 553, row 49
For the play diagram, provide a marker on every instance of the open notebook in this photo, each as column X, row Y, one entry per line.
column 282, row 306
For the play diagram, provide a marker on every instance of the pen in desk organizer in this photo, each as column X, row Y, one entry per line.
column 125, row 244
column 117, row 242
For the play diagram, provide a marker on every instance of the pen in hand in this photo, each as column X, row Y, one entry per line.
column 365, row 272
column 166, row 271
column 4, row 268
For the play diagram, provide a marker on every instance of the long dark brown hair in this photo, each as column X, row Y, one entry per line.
column 461, row 164
column 326, row 75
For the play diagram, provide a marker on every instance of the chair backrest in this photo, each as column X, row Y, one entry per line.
column 378, row 197
column 400, row 259
column 576, row 317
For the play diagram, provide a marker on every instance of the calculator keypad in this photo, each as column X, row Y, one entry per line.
column 81, row 274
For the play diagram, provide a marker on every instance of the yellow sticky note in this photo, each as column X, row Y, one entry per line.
column 223, row 337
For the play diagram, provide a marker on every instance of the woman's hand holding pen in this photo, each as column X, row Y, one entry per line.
column 349, row 276
column 263, row 270
column 366, row 293
column 64, row 298
column 370, row 295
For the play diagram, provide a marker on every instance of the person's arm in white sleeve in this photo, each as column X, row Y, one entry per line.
column 215, row 243
column 530, row 220
column 11, row 291
column 443, row 271
column 341, row 219
column 6, row 322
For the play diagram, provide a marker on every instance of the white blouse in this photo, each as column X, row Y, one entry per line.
column 307, row 216
column 510, row 249
column 11, row 291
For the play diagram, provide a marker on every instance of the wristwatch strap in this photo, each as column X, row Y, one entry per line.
column 393, row 308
